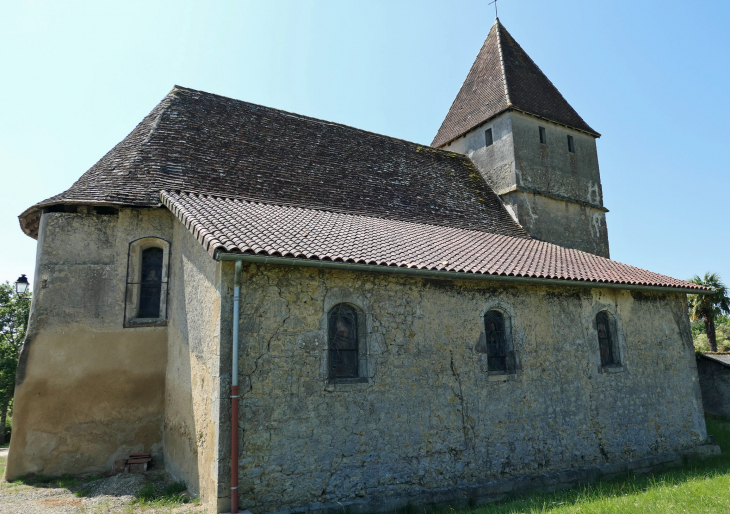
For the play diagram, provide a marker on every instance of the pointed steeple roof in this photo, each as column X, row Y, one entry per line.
column 504, row 77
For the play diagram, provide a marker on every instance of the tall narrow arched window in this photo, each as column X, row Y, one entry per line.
column 150, row 283
column 497, row 349
column 145, row 301
column 342, row 342
column 606, row 340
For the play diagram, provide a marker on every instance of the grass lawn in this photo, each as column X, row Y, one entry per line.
column 697, row 487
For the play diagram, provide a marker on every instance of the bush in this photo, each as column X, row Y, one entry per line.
column 701, row 343
column 722, row 333
column 698, row 327
column 8, row 429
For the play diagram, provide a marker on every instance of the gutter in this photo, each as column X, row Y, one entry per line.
column 453, row 275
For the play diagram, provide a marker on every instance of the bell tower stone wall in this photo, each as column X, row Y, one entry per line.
column 555, row 194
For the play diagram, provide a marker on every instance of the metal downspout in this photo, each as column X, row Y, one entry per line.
column 234, row 388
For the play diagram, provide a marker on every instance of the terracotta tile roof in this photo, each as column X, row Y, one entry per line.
column 210, row 144
column 504, row 76
column 241, row 226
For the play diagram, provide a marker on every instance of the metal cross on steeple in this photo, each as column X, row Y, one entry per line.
column 496, row 14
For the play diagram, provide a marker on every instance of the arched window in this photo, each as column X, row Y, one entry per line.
column 147, row 282
column 497, row 351
column 150, row 283
column 606, row 340
column 342, row 342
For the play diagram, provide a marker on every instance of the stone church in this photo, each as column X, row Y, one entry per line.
column 291, row 314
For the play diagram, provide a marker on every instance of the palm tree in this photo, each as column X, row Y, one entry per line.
column 706, row 307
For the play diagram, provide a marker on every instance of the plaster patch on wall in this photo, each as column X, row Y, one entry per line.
column 596, row 218
column 533, row 217
column 594, row 194
column 511, row 211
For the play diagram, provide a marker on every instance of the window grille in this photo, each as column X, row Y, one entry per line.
column 496, row 341
column 150, row 283
column 343, row 343
column 605, row 340
column 488, row 137
column 145, row 301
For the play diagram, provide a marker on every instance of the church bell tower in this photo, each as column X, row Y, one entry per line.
column 530, row 146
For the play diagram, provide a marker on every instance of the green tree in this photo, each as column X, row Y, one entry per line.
column 14, row 312
column 707, row 307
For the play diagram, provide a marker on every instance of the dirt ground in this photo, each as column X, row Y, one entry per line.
column 116, row 494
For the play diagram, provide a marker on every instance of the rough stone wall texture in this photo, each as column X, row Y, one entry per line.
column 554, row 194
column 88, row 391
column 495, row 162
column 429, row 417
column 192, row 386
column 715, row 386
column 550, row 168
column 568, row 224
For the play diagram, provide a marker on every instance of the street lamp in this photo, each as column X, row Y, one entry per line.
column 21, row 285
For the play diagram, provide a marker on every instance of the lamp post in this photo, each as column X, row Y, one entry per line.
column 21, row 285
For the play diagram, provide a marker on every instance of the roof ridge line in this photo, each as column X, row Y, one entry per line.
column 317, row 120
column 156, row 124
column 501, row 61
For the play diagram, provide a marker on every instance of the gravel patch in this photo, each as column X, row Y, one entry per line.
column 112, row 495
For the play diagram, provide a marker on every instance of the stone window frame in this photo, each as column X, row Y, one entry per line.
column 509, row 317
column 132, row 289
column 618, row 341
column 366, row 369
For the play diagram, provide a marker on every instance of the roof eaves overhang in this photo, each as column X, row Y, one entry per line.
column 453, row 275
column 29, row 219
column 517, row 109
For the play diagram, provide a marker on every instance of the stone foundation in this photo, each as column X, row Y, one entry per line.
column 471, row 495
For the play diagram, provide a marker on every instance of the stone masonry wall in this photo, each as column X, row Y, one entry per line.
column 429, row 417
column 564, row 223
column 715, row 385
column 554, row 194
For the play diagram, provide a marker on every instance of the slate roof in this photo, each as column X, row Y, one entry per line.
column 722, row 358
column 197, row 141
column 240, row 226
column 503, row 77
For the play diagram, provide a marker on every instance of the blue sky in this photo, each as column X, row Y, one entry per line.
column 651, row 76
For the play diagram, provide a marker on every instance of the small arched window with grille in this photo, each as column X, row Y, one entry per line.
column 147, row 282
column 606, row 340
column 342, row 325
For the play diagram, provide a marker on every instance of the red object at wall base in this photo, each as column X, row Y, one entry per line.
column 234, row 449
